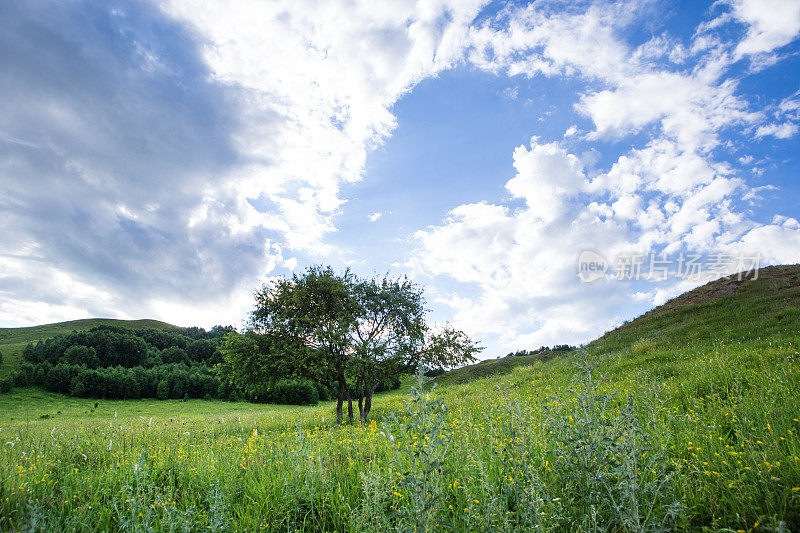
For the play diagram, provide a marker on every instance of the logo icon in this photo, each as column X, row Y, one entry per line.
column 591, row 266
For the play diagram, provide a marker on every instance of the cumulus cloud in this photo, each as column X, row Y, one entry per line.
column 546, row 176
column 780, row 131
column 158, row 160
column 770, row 24
column 518, row 258
column 115, row 146
column 154, row 157
column 523, row 261
column 667, row 194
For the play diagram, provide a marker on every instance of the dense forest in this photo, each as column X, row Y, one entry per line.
column 118, row 363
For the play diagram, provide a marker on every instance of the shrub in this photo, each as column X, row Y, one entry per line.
column 26, row 375
column 390, row 383
column 179, row 385
column 6, row 383
column 324, row 393
column 259, row 393
column 162, row 391
column 125, row 364
column 85, row 384
column 436, row 372
column 423, row 442
column 607, row 463
column 81, row 355
column 59, row 377
column 293, row 392
column 78, row 387
column 173, row 354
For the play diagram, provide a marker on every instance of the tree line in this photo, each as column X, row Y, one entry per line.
column 349, row 335
column 117, row 363
column 558, row 348
column 110, row 362
column 314, row 336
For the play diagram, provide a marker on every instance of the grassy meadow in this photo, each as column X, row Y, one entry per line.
column 684, row 419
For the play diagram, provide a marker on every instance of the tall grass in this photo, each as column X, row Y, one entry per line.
column 668, row 437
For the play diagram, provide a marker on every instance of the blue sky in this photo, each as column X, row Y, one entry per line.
column 162, row 160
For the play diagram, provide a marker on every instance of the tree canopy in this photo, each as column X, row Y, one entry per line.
column 344, row 333
column 119, row 363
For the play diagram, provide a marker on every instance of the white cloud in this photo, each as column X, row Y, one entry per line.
column 669, row 195
column 540, row 38
column 688, row 108
column 770, row 24
column 546, row 175
column 523, row 264
column 180, row 153
column 780, row 131
column 374, row 217
column 642, row 86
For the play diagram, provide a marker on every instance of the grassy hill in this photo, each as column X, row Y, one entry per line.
column 14, row 340
column 494, row 367
column 722, row 311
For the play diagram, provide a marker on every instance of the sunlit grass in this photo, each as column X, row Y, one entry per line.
column 724, row 418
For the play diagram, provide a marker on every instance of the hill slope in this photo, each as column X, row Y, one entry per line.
column 14, row 340
column 722, row 311
column 725, row 310
column 494, row 367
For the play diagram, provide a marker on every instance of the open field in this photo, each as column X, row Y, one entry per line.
column 653, row 428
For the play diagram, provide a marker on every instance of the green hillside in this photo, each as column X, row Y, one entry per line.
column 720, row 312
column 14, row 340
column 494, row 367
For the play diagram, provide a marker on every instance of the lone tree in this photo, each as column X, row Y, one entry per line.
column 344, row 333
column 311, row 316
column 391, row 337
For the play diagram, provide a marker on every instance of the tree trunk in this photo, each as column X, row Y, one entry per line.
column 360, row 390
column 349, row 406
column 339, row 402
column 367, row 405
column 368, row 390
column 339, row 417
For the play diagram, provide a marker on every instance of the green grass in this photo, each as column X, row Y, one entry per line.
column 672, row 429
column 24, row 405
column 14, row 340
column 493, row 367
column 765, row 308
